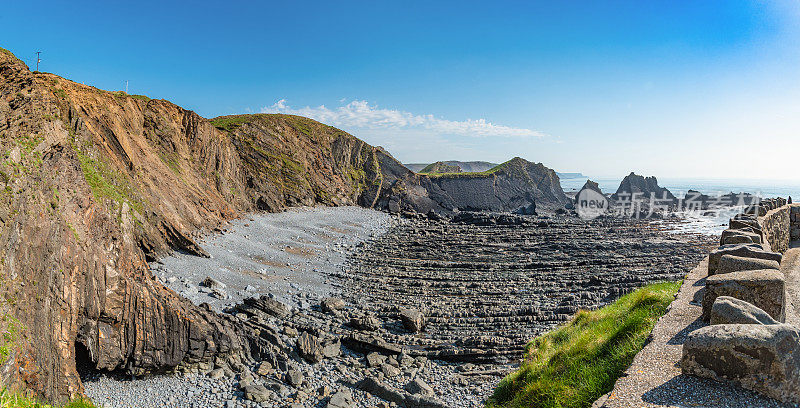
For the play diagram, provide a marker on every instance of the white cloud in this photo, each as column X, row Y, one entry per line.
column 360, row 114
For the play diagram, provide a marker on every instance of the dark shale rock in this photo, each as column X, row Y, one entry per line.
column 419, row 387
column 488, row 289
column 400, row 397
column 644, row 187
column 332, row 305
column 341, row 399
column 264, row 304
column 413, row 320
column 309, row 348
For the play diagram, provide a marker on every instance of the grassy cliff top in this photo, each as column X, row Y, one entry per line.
column 511, row 166
column 232, row 122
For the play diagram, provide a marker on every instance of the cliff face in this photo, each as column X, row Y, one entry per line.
column 510, row 186
column 95, row 183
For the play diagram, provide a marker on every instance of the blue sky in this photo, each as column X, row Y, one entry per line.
column 705, row 89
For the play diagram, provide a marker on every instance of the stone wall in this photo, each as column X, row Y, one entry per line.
column 744, row 300
column 775, row 225
column 794, row 221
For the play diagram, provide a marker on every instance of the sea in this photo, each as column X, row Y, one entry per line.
column 707, row 223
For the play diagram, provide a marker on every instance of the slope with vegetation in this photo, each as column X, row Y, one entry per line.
column 577, row 363
column 98, row 183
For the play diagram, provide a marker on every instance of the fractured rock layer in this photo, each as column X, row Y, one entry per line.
column 486, row 290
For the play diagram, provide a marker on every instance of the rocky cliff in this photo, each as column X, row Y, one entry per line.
column 509, row 186
column 96, row 183
column 643, row 187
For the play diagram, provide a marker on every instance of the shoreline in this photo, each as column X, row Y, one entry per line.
column 325, row 247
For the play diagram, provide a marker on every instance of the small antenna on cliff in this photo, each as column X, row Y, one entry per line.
column 126, row 86
column 38, row 60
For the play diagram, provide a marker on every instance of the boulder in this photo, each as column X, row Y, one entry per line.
column 389, row 370
column 264, row 368
column 764, row 288
column 728, row 310
column 419, row 387
column 743, row 250
column 212, row 283
column 309, row 348
column 366, row 323
column 733, row 263
column 342, row 399
column 399, row 397
column 332, row 305
column 761, row 358
column 264, row 304
column 332, row 348
column 735, row 236
column 294, row 378
column 375, row 359
column 413, row 320
column 256, row 393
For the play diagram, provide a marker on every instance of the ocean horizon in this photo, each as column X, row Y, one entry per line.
column 712, row 187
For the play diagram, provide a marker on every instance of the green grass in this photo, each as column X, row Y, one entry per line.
column 573, row 365
column 230, row 123
column 106, row 182
column 10, row 399
column 301, row 124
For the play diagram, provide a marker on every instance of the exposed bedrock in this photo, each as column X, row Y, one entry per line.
column 97, row 183
column 485, row 289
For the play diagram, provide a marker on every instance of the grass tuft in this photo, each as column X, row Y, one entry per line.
column 578, row 362
column 10, row 399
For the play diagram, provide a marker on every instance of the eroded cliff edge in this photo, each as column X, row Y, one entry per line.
column 96, row 183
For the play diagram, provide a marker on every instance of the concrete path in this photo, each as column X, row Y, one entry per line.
column 654, row 378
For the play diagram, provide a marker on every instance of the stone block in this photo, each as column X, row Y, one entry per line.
column 764, row 288
column 728, row 310
column 761, row 358
column 739, row 236
column 743, row 250
column 733, row 263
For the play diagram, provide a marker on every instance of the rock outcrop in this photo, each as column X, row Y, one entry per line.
column 97, row 183
column 510, row 186
column 642, row 187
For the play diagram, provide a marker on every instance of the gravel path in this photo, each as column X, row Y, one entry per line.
column 655, row 380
